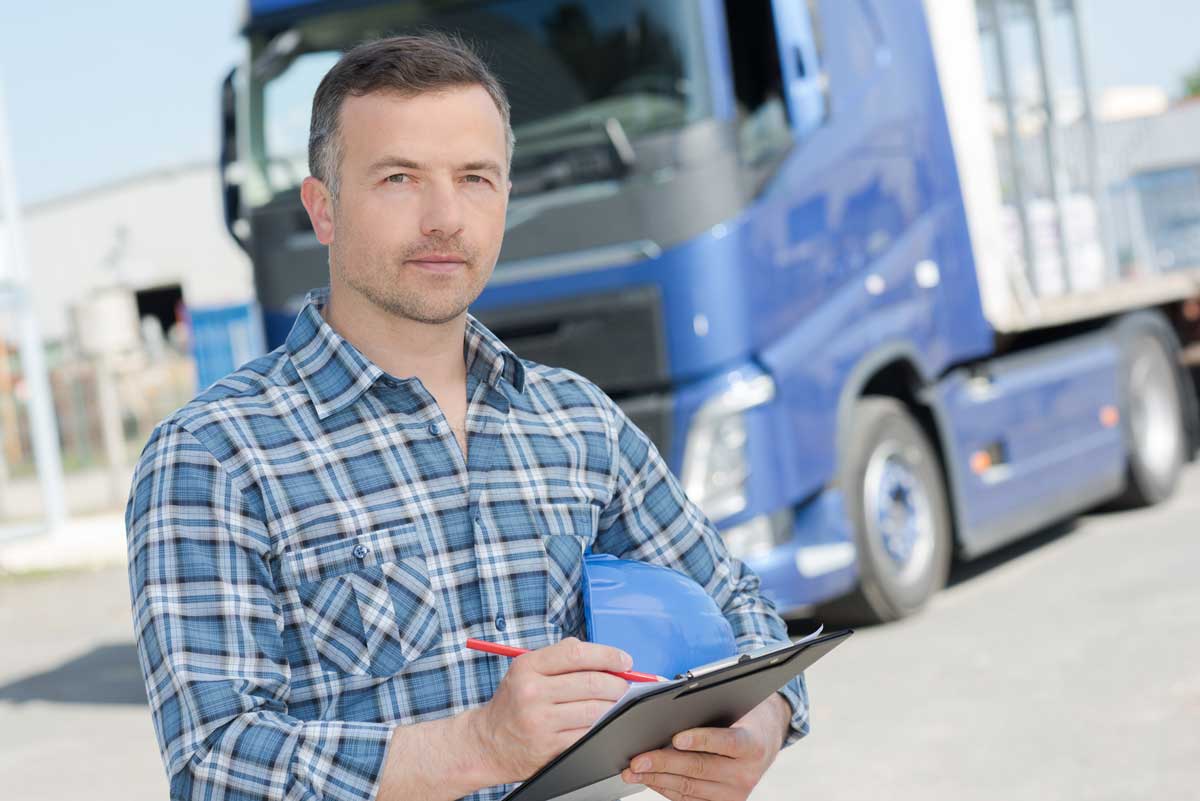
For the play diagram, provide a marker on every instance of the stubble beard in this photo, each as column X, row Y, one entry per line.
column 384, row 284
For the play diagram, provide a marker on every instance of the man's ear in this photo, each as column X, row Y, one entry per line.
column 318, row 202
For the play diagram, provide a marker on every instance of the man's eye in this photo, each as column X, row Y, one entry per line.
column 475, row 179
column 399, row 178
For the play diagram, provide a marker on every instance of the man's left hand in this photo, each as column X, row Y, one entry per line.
column 716, row 764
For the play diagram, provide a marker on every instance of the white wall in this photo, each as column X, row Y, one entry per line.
column 175, row 234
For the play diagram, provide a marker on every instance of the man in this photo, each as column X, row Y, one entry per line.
column 313, row 538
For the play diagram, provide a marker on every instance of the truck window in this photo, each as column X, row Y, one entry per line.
column 765, row 127
column 570, row 66
column 1041, row 135
column 287, row 102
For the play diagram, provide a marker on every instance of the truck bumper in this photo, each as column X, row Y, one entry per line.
column 817, row 564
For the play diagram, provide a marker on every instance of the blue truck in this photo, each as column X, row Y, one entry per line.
column 845, row 262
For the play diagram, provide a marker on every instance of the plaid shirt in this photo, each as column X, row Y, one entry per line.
column 308, row 552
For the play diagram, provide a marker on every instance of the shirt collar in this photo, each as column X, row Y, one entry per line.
column 335, row 373
column 491, row 359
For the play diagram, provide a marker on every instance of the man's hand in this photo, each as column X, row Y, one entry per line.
column 548, row 700
column 716, row 764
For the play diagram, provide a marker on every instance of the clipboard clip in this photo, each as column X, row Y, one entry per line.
column 720, row 664
column 712, row 667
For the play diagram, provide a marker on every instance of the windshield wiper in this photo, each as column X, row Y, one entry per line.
column 620, row 144
column 577, row 163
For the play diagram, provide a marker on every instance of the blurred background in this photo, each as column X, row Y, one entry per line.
column 897, row 288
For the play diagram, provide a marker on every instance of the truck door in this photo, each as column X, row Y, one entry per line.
column 798, row 58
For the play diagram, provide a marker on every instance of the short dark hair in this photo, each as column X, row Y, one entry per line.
column 406, row 65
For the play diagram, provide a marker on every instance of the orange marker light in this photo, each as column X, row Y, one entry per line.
column 1109, row 416
column 981, row 462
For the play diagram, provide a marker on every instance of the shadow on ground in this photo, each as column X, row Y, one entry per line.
column 962, row 571
column 108, row 674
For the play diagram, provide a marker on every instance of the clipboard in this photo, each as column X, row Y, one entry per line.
column 719, row 694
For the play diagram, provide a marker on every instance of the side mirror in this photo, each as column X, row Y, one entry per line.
column 231, row 193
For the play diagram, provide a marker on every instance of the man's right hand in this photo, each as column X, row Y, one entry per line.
column 547, row 701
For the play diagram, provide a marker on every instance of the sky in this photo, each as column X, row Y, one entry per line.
column 97, row 92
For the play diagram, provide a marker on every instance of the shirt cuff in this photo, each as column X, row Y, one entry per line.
column 795, row 692
column 342, row 760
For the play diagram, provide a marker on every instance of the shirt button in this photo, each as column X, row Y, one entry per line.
column 501, row 625
column 360, row 551
column 435, row 429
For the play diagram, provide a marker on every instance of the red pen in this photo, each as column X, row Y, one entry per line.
column 508, row 650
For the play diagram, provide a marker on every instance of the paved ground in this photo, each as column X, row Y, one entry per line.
column 90, row 541
column 1065, row 668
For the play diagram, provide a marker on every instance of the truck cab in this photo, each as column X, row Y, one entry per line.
column 740, row 219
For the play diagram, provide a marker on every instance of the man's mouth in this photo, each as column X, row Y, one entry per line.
column 438, row 262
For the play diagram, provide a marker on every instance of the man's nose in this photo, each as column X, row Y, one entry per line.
column 441, row 212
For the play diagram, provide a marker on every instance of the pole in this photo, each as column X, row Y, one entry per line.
column 15, row 286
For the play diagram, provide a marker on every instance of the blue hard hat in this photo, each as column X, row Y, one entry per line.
column 661, row 617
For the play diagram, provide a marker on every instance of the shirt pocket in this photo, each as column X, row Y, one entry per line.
column 368, row 604
column 570, row 528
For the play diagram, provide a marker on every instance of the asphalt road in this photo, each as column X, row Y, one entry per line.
column 1066, row 667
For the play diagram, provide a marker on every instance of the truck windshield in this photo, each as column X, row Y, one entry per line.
column 574, row 70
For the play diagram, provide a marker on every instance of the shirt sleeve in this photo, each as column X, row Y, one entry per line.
column 208, row 630
column 650, row 519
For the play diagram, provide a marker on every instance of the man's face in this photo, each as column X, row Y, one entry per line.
column 419, row 220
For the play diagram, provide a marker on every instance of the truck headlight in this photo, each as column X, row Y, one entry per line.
column 715, row 468
column 758, row 536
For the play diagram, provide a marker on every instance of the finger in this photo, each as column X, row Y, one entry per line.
column 573, row 655
column 684, row 763
column 734, row 743
column 675, row 786
column 578, row 714
column 583, row 686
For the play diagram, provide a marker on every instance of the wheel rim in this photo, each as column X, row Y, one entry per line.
column 898, row 513
column 1154, row 412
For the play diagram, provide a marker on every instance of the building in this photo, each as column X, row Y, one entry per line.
column 160, row 234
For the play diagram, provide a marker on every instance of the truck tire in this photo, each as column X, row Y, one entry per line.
column 1151, row 415
column 895, row 498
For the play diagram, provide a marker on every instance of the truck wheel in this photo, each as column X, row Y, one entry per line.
column 895, row 498
column 1152, row 418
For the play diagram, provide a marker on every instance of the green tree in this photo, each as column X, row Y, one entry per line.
column 1191, row 83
